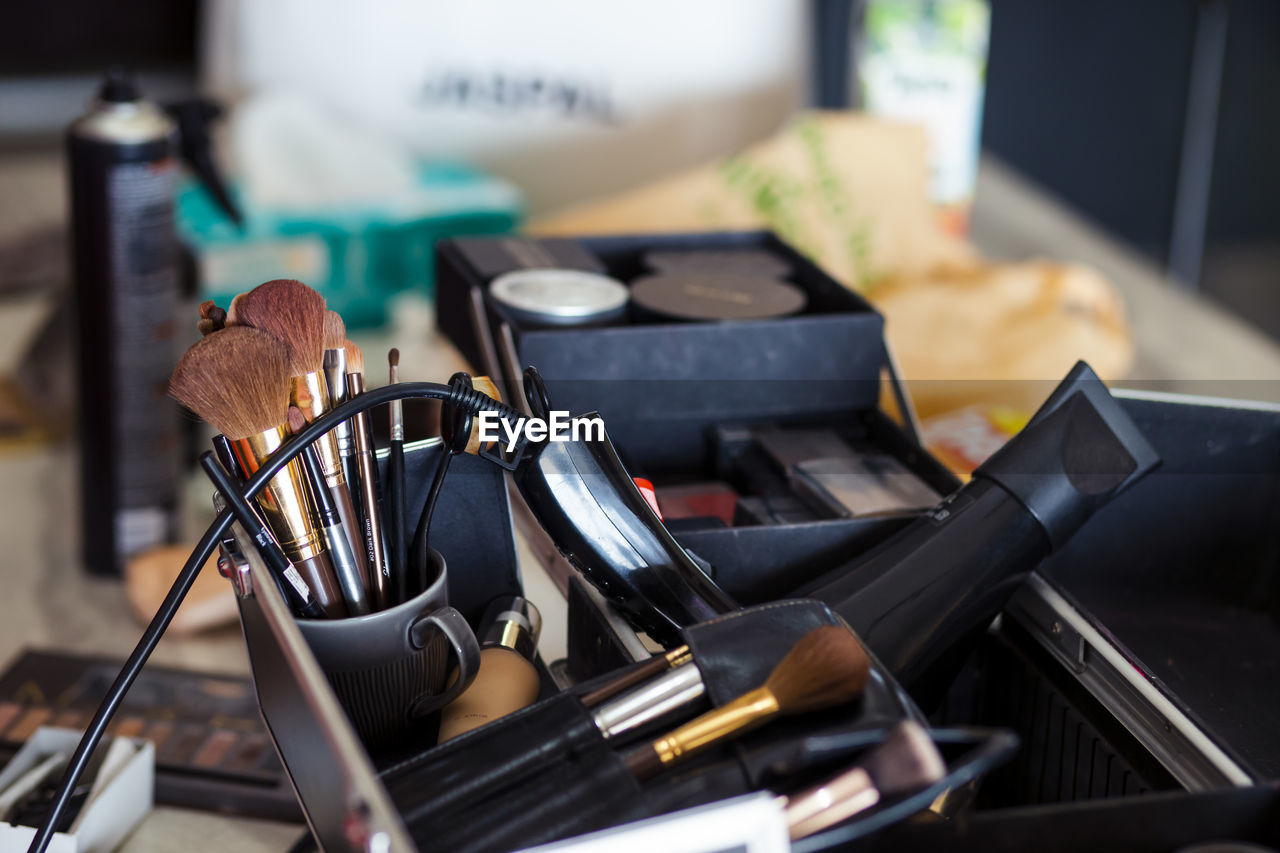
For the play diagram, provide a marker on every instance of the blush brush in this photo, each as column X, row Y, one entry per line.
column 295, row 315
column 827, row 667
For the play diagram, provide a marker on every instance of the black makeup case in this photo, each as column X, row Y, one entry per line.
column 493, row 790
column 679, row 399
column 545, row 773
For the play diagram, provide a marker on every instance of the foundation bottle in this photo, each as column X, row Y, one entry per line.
column 507, row 679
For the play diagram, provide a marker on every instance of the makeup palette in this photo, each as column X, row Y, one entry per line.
column 212, row 752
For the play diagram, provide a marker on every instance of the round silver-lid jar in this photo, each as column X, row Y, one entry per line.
column 560, row 297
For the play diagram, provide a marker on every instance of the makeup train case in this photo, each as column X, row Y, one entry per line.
column 545, row 773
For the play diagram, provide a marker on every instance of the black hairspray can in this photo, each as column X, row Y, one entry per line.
column 123, row 166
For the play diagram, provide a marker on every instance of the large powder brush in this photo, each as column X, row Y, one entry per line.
column 291, row 312
column 827, row 667
column 237, row 380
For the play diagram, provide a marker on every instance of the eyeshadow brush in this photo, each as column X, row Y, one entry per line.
column 212, row 318
column 395, row 506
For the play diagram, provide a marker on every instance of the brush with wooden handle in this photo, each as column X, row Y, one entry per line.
column 237, row 380
column 370, row 508
column 655, row 665
column 827, row 667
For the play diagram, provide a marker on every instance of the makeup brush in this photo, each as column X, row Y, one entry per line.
column 238, row 381
column 335, row 378
column 906, row 761
column 294, row 589
column 212, row 318
column 375, row 552
column 653, row 700
column 398, row 548
column 656, row 665
column 295, row 315
column 827, row 667
column 350, row 579
column 334, row 360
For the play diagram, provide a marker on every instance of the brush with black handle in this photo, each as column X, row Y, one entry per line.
column 398, row 548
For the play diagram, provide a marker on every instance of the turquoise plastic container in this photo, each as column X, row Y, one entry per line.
column 358, row 258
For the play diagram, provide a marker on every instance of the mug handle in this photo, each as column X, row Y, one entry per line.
column 462, row 639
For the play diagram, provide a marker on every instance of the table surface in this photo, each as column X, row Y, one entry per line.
column 1183, row 343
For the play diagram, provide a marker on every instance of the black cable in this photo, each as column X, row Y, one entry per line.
column 455, row 432
column 92, row 736
column 422, row 534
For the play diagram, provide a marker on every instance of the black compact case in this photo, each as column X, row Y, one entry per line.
column 677, row 397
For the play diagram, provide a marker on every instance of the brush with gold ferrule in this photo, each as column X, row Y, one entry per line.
column 295, row 315
column 655, row 665
column 237, row 380
column 371, row 513
column 825, row 668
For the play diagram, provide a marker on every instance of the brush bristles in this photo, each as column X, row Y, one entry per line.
column 212, row 318
column 355, row 359
column 827, row 667
column 293, row 313
column 907, row 760
column 335, row 331
column 233, row 311
column 236, row 379
column 296, row 420
column 393, row 357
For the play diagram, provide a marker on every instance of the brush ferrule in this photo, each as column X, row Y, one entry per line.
column 679, row 656
column 286, row 505
column 742, row 714
column 831, row 802
column 310, row 393
column 397, row 410
column 335, row 379
column 335, row 374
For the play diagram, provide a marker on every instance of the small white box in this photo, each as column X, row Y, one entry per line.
column 109, row 815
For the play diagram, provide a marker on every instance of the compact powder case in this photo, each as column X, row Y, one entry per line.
column 754, row 263
column 560, row 297
column 706, row 296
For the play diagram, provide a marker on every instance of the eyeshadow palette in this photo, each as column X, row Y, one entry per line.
column 212, row 751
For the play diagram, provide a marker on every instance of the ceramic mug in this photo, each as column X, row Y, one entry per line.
column 392, row 667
